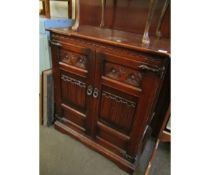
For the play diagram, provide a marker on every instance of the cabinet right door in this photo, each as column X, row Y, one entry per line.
column 125, row 90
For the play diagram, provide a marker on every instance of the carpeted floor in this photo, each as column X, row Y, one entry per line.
column 63, row 155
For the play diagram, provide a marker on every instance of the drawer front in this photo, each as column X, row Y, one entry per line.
column 127, row 91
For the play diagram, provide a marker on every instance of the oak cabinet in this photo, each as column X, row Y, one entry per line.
column 105, row 93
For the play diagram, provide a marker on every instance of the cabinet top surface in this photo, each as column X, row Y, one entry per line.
column 118, row 38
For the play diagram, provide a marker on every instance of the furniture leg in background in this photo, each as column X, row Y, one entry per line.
column 145, row 39
column 77, row 15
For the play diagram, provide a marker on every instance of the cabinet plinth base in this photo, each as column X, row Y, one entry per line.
column 119, row 161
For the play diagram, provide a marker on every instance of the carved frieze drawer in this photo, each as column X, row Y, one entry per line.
column 123, row 74
column 132, row 54
column 73, row 59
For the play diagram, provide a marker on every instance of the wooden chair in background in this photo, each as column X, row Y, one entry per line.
column 46, row 8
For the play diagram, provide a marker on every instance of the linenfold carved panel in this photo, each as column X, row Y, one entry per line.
column 123, row 74
column 117, row 111
column 73, row 59
column 73, row 91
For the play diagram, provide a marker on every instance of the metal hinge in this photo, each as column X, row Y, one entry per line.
column 60, row 119
column 54, row 43
column 128, row 157
column 153, row 69
column 153, row 114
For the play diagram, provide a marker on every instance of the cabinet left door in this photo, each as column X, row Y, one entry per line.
column 73, row 74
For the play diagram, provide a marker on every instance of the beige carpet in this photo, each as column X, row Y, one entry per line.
column 63, row 155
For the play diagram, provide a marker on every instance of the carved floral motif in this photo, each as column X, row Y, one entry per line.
column 74, row 59
column 123, row 74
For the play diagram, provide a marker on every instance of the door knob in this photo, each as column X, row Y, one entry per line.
column 89, row 90
column 95, row 93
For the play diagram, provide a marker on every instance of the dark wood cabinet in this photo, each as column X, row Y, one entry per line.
column 106, row 90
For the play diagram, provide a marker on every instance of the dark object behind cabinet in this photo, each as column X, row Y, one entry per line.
column 48, row 101
column 125, row 15
column 106, row 86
